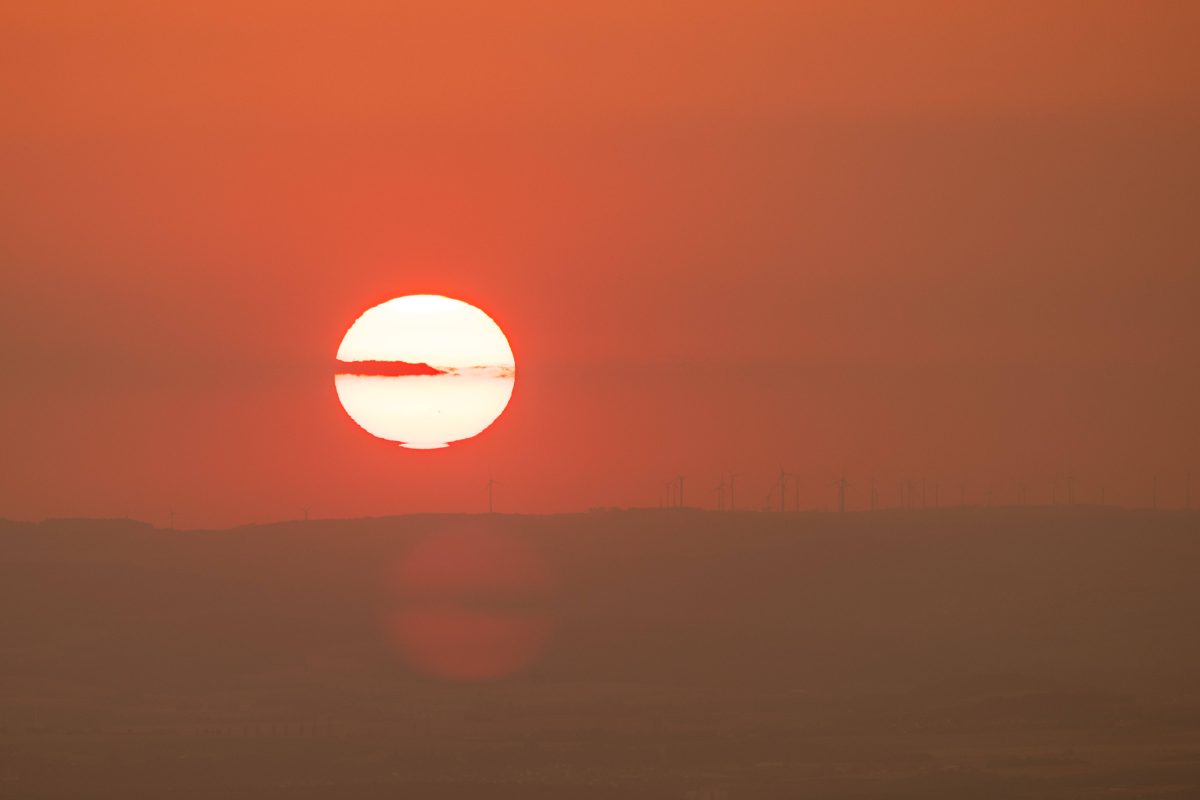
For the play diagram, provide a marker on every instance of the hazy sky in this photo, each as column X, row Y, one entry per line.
column 903, row 239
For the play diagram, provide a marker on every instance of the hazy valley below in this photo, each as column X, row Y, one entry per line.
column 948, row 653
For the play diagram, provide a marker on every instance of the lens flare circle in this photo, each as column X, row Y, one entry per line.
column 472, row 604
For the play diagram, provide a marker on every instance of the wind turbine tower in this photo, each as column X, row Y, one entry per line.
column 733, row 476
column 783, row 476
column 842, row 485
column 681, row 491
column 491, row 482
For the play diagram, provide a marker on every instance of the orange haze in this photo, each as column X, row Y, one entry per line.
column 945, row 240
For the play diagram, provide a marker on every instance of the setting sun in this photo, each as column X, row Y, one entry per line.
column 424, row 371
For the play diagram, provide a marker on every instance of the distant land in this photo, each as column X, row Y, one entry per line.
column 933, row 654
column 386, row 368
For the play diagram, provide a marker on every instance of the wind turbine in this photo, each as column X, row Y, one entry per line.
column 733, row 476
column 783, row 476
column 842, row 485
column 720, row 490
column 490, row 483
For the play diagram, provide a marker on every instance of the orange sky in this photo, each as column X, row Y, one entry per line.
column 953, row 240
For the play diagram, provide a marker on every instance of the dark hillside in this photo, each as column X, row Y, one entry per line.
column 747, row 653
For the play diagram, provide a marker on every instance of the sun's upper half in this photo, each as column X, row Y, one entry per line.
column 427, row 329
